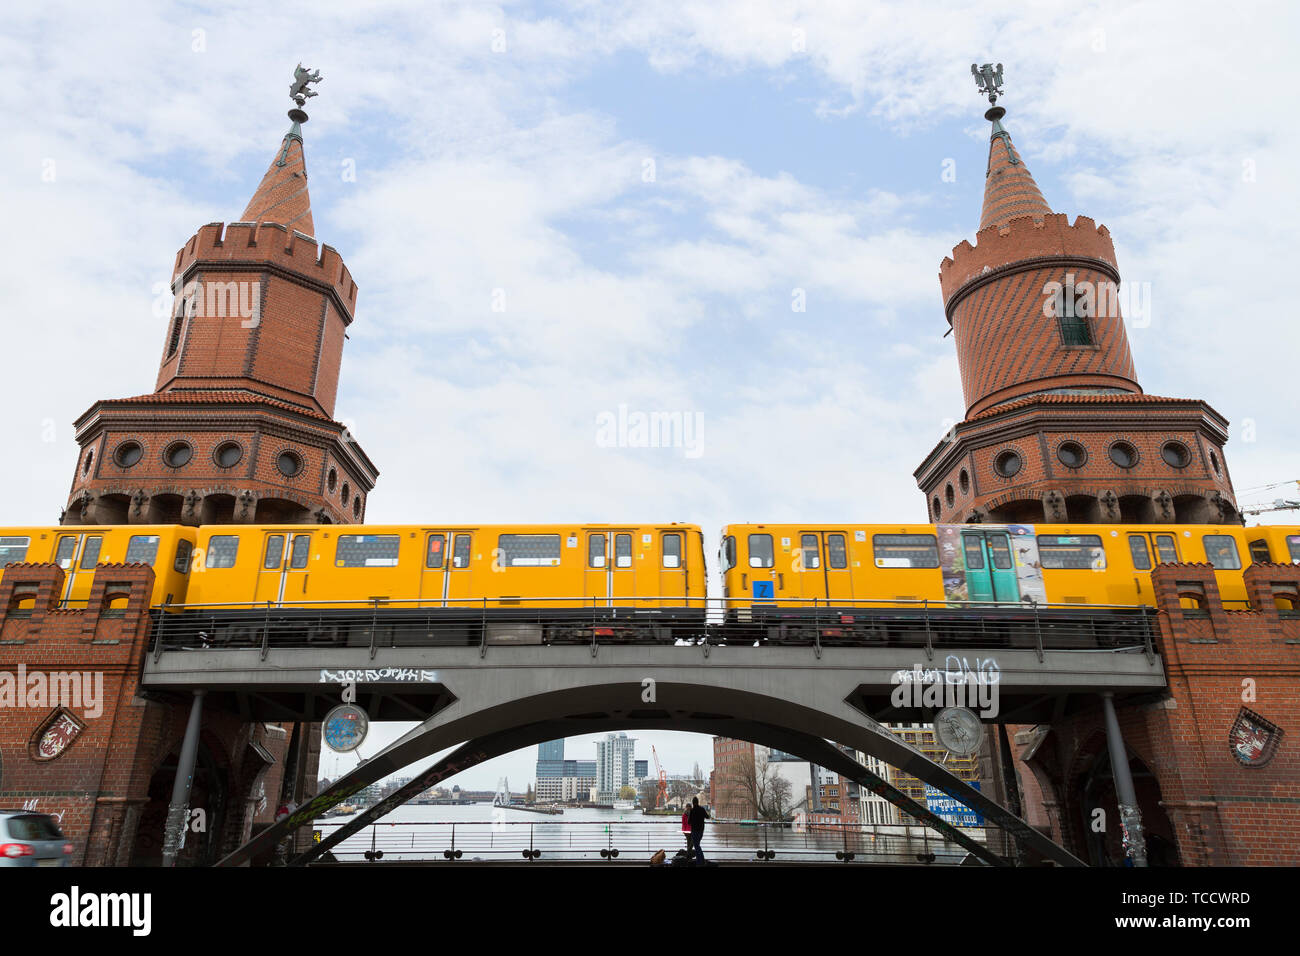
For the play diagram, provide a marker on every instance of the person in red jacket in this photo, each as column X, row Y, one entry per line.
column 686, row 828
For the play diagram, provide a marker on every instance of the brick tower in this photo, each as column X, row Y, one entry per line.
column 1057, row 427
column 239, row 427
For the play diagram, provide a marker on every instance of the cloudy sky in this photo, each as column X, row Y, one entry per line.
column 554, row 210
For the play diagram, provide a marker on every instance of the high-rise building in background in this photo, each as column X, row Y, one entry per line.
column 560, row 780
column 615, row 766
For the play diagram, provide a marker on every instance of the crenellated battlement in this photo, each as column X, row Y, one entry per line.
column 1022, row 239
column 269, row 242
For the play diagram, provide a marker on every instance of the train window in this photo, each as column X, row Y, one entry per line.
column 810, row 551
column 529, row 550
column 274, row 552
column 460, row 551
column 301, row 549
column 366, row 551
column 760, row 551
column 90, row 552
column 142, row 549
column 906, row 550
column 222, row 550
column 622, row 551
column 1221, row 550
column 67, row 548
column 1166, row 549
column 13, row 549
column 1078, row 552
column 1293, row 546
column 435, row 551
column 1137, row 545
column 183, row 551
column 1259, row 552
column 1000, row 551
column 729, row 552
column 596, row 550
column 837, row 552
column 974, row 552
column 672, row 548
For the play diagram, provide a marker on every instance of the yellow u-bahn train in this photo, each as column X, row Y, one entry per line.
column 813, row 566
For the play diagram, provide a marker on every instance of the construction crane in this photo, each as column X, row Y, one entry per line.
column 661, row 798
column 1279, row 504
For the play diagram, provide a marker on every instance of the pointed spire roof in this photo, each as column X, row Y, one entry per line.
column 282, row 196
column 1009, row 189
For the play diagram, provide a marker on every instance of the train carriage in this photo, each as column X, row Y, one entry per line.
column 516, row 583
column 812, row 566
column 79, row 549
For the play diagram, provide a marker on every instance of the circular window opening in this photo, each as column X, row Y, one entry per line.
column 1007, row 464
column 936, row 506
column 356, row 507
column 90, row 460
column 1175, row 454
column 347, row 493
column 965, row 482
column 229, row 454
column 948, row 496
column 1214, row 460
column 333, row 480
column 1071, row 454
column 178, row 454
column 1123, row 454
column 128, row 453
column 289, row 464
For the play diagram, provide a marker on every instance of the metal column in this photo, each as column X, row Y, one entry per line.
column 179, row 811
column 1130, row 819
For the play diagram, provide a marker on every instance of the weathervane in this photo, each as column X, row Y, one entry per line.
column 300, row 89
column 988, row 80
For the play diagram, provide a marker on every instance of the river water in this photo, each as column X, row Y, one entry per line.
column 487, row 833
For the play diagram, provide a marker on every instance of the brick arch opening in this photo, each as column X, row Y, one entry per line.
column 1083, row 508
column 217, row 509
column 210, row 793
column 1018, row 511
column 111, row 509
column 1193, row 509
column 1137, row 509
column 280, row 511
column 1091, row 786
column 165, row 509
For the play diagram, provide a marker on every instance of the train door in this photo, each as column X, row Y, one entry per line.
column 433, row 574
column 673, row 590
column 761, row 579
column 596, row 583
column 458, row 588
column 282, row 575
column 618, row 589
column 808, row 577
column 77, row 555
column 1147, row 549
column 839, row 579
column 990, row 567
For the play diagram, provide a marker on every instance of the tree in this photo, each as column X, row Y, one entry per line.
column 757, row 789
column 627, row 793
column 681, row 791
column 649, row 791
column 697, row 776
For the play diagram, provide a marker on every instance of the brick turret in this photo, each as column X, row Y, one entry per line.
column 1057, row 426
column 240, row 425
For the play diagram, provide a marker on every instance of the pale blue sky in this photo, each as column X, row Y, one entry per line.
column 795, row 146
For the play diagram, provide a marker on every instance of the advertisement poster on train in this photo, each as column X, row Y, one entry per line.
column 990, row 562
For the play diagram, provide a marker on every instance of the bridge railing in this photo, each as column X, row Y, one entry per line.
column 389, row 623
column 635, row 839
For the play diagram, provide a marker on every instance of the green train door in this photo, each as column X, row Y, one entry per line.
column 990, row 568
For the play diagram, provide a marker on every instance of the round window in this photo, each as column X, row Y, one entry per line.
column 1175, row 454
column 1123, row 454
column 178, row 454
column 229, row 454
column 289, row 463
column 936, row 507
column 1071, row 454
column 347, row 493
column 356, row 507
column 1008, row 464
column 332, row 481
column 948, row 495
column 965, row 482
column 128, row 453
